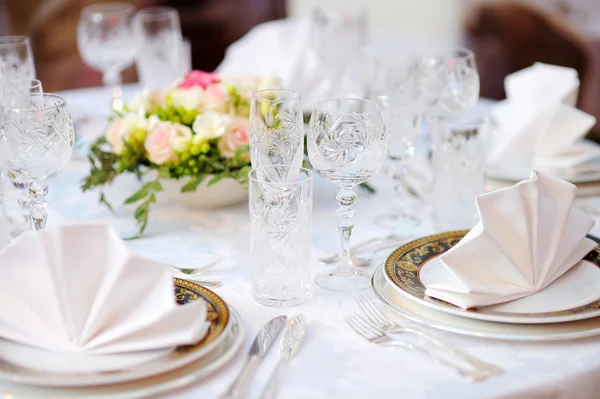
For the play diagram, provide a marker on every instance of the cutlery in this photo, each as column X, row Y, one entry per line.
column 261, row 345
column 288, row 347
column 198, row 270
column 380, row 322
column 361, row 326
column 365, row 259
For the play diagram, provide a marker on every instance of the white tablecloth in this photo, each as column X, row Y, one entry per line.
column 334, row 361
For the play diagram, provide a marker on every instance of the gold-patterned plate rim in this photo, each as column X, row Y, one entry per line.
column 403, row 265
column 217, row 311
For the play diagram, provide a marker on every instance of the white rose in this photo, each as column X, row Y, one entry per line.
column 147, row 101
column 122, row 130
column 209, row 125
column 187, row 98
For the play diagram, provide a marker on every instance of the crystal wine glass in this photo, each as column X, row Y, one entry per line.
column 21, row 94
column 106, row 41
column 403, row 121
column 38, row 142
column 159, row 35
column 450, row 83
column 16, row 60
column 276, row 133
column 346, row 143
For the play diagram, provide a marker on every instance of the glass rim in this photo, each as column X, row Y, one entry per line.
column 252, row 175
column 157, row 13
column 257, row 95
column 319, row 106
column 6, row 41
column 60, row 103
column 109, row 8
column 33, row 83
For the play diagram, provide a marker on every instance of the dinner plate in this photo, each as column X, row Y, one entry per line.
column 225, row 351
column 415, row 311
column 588, row 171
column 575, row 293
column 13, row 369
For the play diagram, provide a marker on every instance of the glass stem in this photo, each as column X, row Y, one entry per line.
column 345, row 198
column 4, row 222
column 25, row 205
column 112, row 82
column 37, row 195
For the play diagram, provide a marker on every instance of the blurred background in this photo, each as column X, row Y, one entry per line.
column 505, row 35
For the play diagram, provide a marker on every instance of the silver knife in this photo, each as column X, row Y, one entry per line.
column 262, row 343
column 288, row 347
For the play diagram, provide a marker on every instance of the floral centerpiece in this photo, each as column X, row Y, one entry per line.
column 196, row 130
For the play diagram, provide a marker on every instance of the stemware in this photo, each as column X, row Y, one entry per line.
column 21, row 94
column 38, row 142
column 159, row 60
column 450, row 83
column 107, row 43
column 276, row 133
column 16, row 60
column 346, row 143
column 403, row 121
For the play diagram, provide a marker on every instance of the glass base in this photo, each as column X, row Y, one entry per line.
column 352, row 281
column 279, row 303
column 401, row 223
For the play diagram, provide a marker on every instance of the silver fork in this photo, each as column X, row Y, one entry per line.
column 380, row 322
column 361, row 326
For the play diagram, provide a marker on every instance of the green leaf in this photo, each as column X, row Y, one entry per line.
column 192, row 184
column 104, row 201
column 144, row 191
column 216, row 178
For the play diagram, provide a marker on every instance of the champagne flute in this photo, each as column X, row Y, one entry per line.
column 347, row 143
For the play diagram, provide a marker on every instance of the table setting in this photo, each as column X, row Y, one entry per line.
column 176, row 238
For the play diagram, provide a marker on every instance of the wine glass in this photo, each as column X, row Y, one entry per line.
column 22, row 94
column 107, row 43
column 38, row 142
column 346, row 143
column 403, row 121
column 450, row 83
column 16, row 60
column 160, row 53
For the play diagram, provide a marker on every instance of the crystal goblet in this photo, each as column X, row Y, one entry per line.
column 347, row 143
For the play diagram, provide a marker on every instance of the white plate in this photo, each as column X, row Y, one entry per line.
column 148, row 387
column 416, row 312
column 573, row 296
column 129, row 367
column 586, row 172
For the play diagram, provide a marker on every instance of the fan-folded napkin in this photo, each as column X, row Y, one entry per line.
column 538, row 123
column 528, row 236
column 78, row 289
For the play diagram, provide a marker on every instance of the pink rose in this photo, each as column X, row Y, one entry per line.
column 198, row 78
column 161, row 138
column 237, row 134
column 215, row 98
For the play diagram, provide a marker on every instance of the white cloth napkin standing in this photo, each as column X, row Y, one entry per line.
column 538, row 121
column 78, row 289
column 528, row 236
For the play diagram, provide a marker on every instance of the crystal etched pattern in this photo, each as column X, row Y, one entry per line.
column 276, row 132
column 280, row 216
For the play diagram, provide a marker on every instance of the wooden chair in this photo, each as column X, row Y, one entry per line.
column 509, row 36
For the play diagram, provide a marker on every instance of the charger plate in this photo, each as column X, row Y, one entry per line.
column 403, row 267
column 414, row 311
column 167, row 360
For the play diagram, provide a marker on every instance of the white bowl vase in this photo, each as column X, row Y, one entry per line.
column 224, row 193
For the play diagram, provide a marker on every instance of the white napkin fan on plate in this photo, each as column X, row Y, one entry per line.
column 529, row 235
column 78, row 289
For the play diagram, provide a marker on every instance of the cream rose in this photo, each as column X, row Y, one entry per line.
column 188, row 98
column 210, row 125
column 215, row 98
column 161, row 139
column 130, row 128
column 148, row 101
column 238, row 134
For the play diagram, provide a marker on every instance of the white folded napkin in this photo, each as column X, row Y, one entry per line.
column 528, row 236
column 78, row 289
column 538, row 120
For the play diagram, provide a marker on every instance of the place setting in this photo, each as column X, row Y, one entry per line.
column 181, row 245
